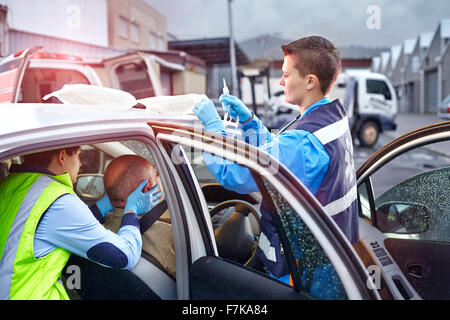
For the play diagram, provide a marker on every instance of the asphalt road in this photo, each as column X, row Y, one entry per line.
column 403, row 167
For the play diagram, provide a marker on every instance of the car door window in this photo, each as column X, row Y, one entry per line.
column 157, row 256
column 236, row 220
column 317, row 274
column 410, row 194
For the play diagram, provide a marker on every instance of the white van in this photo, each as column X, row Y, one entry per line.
column 368, row 98
column 370, row 102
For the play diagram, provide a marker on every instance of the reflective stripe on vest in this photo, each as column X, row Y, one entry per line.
column 25, row 197
column 12, row 243
column 337, row 192
column 326, row 135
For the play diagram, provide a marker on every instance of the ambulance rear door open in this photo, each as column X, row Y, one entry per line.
column 12, row 69
column 136, row 73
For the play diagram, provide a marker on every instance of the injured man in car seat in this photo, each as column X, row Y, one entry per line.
column 121, row 177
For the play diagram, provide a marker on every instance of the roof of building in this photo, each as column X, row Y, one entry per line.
column 212, row 51
column 408, row 45
column 385, row 55
column 395, row 54
column 425, row 39
column 376, row 61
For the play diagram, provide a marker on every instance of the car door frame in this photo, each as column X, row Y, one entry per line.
column 184, row 230
column 339, row 250
column 434, row 133
column 420, row 137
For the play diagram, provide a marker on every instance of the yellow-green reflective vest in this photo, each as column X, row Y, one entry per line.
column 24, row 197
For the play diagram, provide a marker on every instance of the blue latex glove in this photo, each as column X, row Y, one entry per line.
column 207, row 113
column 142, row 202
column 104, row 205
column 235, row 107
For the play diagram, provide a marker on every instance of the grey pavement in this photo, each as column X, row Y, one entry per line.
column 410, row 121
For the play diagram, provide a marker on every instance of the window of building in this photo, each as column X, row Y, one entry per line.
column 152, row 40
column 161, row 43
column 134, row 32
column 122, row 27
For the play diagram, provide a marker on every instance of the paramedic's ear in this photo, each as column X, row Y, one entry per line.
column 312, row 82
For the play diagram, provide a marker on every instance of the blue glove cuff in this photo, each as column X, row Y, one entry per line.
column 130, row 207
column 104, row 205
column 216, row 126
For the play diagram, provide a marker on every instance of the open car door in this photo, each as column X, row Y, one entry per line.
column 12, row 69
column 404, row 209
column 310, row 238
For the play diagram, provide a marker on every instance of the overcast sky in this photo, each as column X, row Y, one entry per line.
column 345, row 22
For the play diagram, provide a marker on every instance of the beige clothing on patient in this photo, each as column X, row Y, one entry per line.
column 157, row 241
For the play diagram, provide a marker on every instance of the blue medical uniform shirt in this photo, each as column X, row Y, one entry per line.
column 299, row 150
column 70, row 224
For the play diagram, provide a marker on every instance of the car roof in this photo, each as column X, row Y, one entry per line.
column 20, row 117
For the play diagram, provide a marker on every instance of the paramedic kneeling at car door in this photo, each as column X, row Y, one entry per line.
column 43, row 222
column 317, row 148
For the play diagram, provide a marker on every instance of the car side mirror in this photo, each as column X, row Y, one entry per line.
column 402, row 218
column 90, row 187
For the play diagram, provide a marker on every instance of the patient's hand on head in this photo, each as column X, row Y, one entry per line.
column 125, row 173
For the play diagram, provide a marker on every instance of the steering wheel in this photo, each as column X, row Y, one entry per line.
column 236, row 238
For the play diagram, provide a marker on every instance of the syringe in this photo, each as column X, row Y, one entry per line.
column 225, row 117
column 225, row 91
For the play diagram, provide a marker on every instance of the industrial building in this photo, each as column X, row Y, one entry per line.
column 419, row 70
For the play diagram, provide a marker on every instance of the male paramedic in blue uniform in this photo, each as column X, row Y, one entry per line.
column 316, row 146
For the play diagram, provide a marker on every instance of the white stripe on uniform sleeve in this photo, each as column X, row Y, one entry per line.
column 332, row 131
column 341, row 204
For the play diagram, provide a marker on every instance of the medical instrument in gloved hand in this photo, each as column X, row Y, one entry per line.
column 225, row 117
column 225, row 91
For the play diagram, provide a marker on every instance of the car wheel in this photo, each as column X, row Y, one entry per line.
column 368, row 134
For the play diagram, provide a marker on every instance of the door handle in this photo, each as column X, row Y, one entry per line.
column 418, row 272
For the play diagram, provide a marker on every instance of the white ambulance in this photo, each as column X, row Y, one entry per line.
column 30, row 74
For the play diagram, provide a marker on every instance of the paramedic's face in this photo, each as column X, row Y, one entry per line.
column 73, row 164
column 294, row 84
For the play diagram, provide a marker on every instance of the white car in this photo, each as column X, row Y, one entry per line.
column 278, row 112
column 208, row 263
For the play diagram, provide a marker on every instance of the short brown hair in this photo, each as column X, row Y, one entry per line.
column 43, row 159
column 315, row 55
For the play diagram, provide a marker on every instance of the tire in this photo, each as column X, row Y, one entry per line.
column 368, row 133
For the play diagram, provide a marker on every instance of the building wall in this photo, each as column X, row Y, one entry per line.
column 188, row 82
column 446, row 73
column 429, row 61
column 413, row 65
column 78, row 20
column 134, row 24
column 18, row 40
